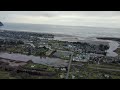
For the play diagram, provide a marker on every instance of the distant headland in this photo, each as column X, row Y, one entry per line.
column 1, row 24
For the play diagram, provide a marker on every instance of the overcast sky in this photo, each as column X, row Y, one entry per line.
column 72, row 18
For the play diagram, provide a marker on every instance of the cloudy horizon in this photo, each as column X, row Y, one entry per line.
column 109, row 19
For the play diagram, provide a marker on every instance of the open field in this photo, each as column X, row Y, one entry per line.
column 5, row 75
column 29, row 71
column 93, row 71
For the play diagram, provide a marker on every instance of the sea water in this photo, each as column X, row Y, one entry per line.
column 81, row 31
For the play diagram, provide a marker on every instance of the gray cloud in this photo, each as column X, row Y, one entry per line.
column 57, row 13
column 75, row 18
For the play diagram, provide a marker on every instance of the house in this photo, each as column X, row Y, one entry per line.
column 64, row 68
column 30, row 45
column 95, row 55
column 45, row 45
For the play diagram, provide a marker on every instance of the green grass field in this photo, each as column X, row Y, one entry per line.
column 5, row 75
column 91, row 71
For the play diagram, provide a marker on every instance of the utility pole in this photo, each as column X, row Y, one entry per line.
column 69, row 66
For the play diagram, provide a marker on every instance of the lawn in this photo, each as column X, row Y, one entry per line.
column 40, row 66
column 5, row 75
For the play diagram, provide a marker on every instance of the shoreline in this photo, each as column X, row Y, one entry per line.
column 68, row 36
column 73, row 38
column 110, row 38
column 113, row 43
column 56, row 34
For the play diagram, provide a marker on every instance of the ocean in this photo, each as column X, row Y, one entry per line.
column 81, row 31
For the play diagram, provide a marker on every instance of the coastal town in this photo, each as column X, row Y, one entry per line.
column 31, row 55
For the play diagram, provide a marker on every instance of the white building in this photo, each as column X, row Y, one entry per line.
column 81, row 57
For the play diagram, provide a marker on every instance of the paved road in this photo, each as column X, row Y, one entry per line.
column 69, row 67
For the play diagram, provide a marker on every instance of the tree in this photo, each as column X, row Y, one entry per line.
column 105, row 53
column 106, row 47
column 20, row 42
column 44, row 47
column 101, row 47
column 29, row 51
